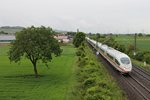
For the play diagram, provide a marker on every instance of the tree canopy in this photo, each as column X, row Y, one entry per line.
column 35, row 43
column 78, row 39
column 71, row 33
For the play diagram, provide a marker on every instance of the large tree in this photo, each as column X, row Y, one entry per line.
column 35, row 43
column 78, row 39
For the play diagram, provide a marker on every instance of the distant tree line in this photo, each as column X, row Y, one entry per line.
column 2, row 32
column 71, row 34
column 12, row 27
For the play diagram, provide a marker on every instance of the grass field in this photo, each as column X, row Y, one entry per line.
column 143, row 43
column 17, row 82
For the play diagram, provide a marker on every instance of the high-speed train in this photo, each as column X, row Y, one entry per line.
column 119, row 60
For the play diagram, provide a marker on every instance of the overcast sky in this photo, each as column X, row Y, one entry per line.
column 88, row 15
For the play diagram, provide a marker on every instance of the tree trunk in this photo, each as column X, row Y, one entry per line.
column 35, row 70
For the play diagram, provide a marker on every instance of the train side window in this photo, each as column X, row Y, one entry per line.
column 109, row 56
column 117, row 61
column 102, row 50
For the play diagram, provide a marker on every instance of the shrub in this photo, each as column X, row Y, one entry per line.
column 110, row 41
column 93, row 93
column 140, row 34
column 82, row 62
column 130, row 48
column 79, row 58
column 95, row 97
column 131, row 54
column 78, row 39
column 139, row 56
column 78, row 53
column 92, row 63
column 83, row 44
column 93, row 85
column 115, row 46
column 103, row 84
column 86, row 58
column 97, row 93
column 89, row 82
column 81, row 47
column 91, row 70
column 122, row 48
column 83, row 55
column 93, row 90
column 147, row 58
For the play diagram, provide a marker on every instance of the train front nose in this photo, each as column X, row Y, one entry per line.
column 127, row 68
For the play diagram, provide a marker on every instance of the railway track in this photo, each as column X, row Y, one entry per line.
column 142, row 72
column 136, row 84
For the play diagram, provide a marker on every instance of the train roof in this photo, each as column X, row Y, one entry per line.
column 99, row 44
column 104, row 47
column 93, row 41
column 115, row 53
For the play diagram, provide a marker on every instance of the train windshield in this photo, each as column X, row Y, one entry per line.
column 125, row 60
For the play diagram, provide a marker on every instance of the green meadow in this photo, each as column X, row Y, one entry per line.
column 143, row 43
column 17, row 81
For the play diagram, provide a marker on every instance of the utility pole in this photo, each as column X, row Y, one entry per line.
column 97, row 37
column 77, row 30
column 97, row 43
column 135, row 44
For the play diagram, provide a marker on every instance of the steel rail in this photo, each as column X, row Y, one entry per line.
column 133, row 86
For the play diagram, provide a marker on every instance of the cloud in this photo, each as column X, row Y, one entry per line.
column 87, row 15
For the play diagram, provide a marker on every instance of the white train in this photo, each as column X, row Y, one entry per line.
column 118, row 59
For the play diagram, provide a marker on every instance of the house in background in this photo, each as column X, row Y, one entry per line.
column 63, row 38
column 7, row 39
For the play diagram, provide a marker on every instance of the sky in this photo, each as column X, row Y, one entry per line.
column 96, row 16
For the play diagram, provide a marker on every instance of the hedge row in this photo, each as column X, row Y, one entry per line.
column 94, row 82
